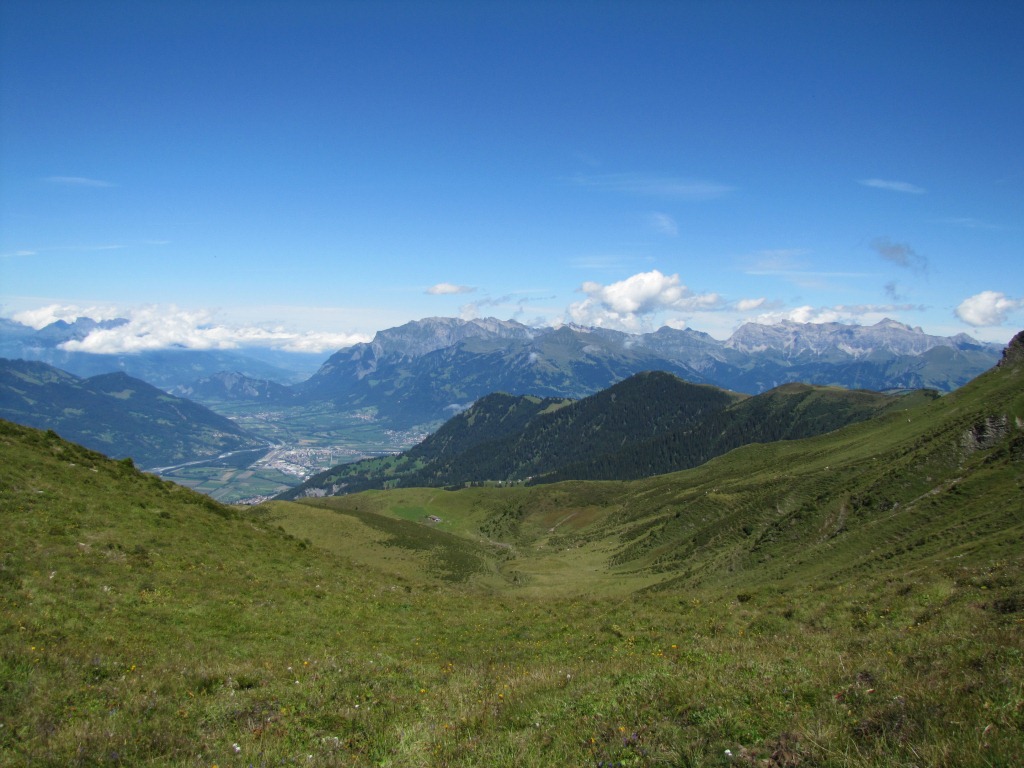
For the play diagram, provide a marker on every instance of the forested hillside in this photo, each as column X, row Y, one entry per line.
column 649, row 424
column 789, row 412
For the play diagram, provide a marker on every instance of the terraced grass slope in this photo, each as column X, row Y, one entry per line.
column 870, row 616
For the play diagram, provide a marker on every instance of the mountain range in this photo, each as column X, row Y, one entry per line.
column 411, row 379
column 425, row 371
column 117, row 415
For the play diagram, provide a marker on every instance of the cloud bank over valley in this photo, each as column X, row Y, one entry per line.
column 154, row 328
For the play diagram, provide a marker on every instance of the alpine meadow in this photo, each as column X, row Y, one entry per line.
column 511, row 384
column 849, row 599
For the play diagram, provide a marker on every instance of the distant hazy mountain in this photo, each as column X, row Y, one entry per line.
column 832, row 340
column 425, row 371
column 232, row 385
column 116, row 414
column 165, row 368
column 649, row 424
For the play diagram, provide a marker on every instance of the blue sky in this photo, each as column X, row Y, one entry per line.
column 321, row 170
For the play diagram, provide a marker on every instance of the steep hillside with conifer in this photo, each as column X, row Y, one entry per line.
column 649, row 424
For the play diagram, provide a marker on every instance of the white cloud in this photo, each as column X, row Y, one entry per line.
column 655, row 186
column 841, row 313
column 987, row 308
column 746, row 305
column 664, row 223
column 893, row 186
column 624, row 304
column 155, row 327
column 44, row 316
column 804, row 314
column 447, row 289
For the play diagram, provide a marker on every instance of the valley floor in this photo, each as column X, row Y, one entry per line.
column 303, row 441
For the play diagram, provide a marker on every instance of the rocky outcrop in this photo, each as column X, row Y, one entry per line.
column 986, row 434
column 1014, row 352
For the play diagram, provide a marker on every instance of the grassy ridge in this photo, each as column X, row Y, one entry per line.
column 872, row 614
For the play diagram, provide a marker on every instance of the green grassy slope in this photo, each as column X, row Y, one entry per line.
column 143, row 624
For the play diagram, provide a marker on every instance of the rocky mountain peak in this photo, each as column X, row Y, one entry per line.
column 420, row 337
column 61, row 331
column 896, row 325
column 856, row 341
